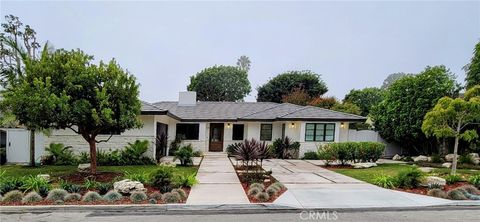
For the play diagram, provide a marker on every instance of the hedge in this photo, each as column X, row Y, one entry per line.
column 351, row 152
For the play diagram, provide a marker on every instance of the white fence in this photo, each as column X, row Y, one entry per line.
column 370, row 135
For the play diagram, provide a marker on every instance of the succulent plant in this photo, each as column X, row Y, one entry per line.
column 254, row 191
column 171, row 197
column 103, row 188
column 437, row 193
column 456, row 194
column 112, row 196
column 434, row 186
column 13, row 196
column 43, row 191
column 279, row 185
column 138, row 196
column 59, row 202
column 32, row 197
column 156, row 195
column 272, row 191
column 262, row 196
column 181, row 192
column 73, row 197
column 257, row 185
column 471, row 189
column 152, row 201
column 56, row 194
column 91, row 196
column 74, row 188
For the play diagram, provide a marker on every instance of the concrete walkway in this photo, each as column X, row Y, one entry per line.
column 218, row 182
column 311, row 186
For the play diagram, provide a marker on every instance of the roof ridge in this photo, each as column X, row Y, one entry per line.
column 302, row 108
column 331, row 110
column 279, row 104
column 151, row 104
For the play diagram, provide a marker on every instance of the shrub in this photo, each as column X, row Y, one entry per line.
column 59, row 155
column 156, row 195
column 33, row 183
column 384, row 181
column 310, row 155
column 272, row 190
column 475, row 180
column 451, row 179
column 465, row 159
column 257, row 185
column 175, row 145
column 252, row 191
column 180, row 192
column 409, row 178
column 162, row 179
column 230, row 149
column 262, row 196
column 84, row 157
column 436, row 158
column 471, row 189
column 57, row 194
column 133, row 153
column 91, row 196
column 71, row 188
column 186, row 180
column 32, row 197
column 172, row 197
column 140, row 177
column 109, row 158
column 90, row 184
column 73, row 197
column 185, row 155
column 9, row 184
column 43, row 190
column 456, row 194
column 13, row 196
column 112, row 196
column 103, row 188
column 437, row 193
column 285, row 148
column 279, row 185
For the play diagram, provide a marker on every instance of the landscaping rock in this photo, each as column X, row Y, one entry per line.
column 420, row 158
column 127, row 186
column 363, row 165
column 44, row 176
column 476, row 161
column 447, row 165
column 474, row 155
column 84, row 168
column 430, row 180
column 449, row 157
column 397, row 157
column 426, row 169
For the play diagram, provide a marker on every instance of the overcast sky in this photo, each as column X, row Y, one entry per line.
column 351, row 44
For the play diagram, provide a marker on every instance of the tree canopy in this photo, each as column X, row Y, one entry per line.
column 473, row 68
column 400, row 115
column 365, row 98
column 392, row 78
column 220, row 83
column 285, row 83
column 244, row 63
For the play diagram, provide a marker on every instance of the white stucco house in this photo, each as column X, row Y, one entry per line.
column 212, row 126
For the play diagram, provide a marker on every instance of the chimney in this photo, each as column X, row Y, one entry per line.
column 188, row 98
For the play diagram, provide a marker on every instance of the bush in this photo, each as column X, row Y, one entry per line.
column 185, row 155
column 133, row 154
column 33, row 183
column 9, row 184
column 175, row 145
column 57, row 194
column 409, row 178
column 279, row 185
column 43, row 190
column 162, row 179
column 172, row 197
column 258, row 185
column 456, row 194
column 73, row 197
column 156, row 195
column 384, row 181
column 91, row 196
column 140, row 177
column 272, row 190
column 475, row 180
column 84, row 157
column 262, row 196
column 437, row 193
column 90, row 184
column 310, row 155
column 471, row 189
column 13, row 196
column 59, row 154
column 285, row 148
column 186, row 180
column 109, row 158
column 451, row 179
column 112, row 196
column 103, row 188
column 180, row 192
column 252, row 191
column 465, row 159
column 351, row 152
column 70, row 187
column 32, row 197
column 436, row 158
column 230, row 149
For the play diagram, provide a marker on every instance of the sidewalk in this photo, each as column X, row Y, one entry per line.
column 218, row 183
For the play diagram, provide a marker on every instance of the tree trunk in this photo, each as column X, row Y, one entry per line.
column 455, row 150
column 93, row 155
column 32, row 148
column 444, row 147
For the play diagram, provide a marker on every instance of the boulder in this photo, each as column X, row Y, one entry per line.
column 430, row 180
column 474, row 155
column 476, row 161
column 426, row 169
column 447, row 165
column 420, row 158
column 127, row 186
column 83, row 168
column 363, row 165
column 397, row 157
column 44, row 176
column 449, row 157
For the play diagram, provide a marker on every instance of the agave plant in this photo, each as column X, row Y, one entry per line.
column 247, row 151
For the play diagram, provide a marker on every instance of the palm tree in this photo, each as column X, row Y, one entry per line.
column 244, row 63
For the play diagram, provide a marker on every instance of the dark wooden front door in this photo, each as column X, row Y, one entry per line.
column 161, row 141
column 216, row 137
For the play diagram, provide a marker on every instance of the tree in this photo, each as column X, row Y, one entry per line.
column 347, row 108
column 399, row 116
column 297, row 96
column 365, row 98
column 392, row 78
column 323, row 102
column 473, row 68
column 450, row 116
column 64, row 90
column 283, row 84
column 220, row 83
column 243, row 63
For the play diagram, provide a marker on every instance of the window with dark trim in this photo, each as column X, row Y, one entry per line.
column 320, row 132
column 188, row 131
column 237, row 131
column 266, row 132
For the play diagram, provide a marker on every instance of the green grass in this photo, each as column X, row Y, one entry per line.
column 368, row 175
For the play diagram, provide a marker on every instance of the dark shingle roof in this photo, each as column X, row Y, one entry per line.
column 148, row 108
column 254, row 111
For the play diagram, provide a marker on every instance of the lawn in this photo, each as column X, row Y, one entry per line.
column 368, row 175
column 56, row 171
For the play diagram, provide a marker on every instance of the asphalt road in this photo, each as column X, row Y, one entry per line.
column 437, row 215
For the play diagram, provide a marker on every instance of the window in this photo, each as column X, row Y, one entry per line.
column 320, row 132
column 187, row 131
column 266, row 132
column 237, row 133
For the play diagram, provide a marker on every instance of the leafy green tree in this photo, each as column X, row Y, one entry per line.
column 64, row 90
column 473, row 68
column 392, row 78
column 244, row 63
column 400, row 115
column 220, row 83
column 283, row 84
column 297, row 96
column 450, row 116
column 365, row 98
column 347, row 107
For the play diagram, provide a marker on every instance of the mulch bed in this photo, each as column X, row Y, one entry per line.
column 79, row 178
column 424, row 190
column 266, row 184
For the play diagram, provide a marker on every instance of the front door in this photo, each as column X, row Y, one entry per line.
column 216, row 137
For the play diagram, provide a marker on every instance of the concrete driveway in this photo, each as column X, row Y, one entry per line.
column 311, row 186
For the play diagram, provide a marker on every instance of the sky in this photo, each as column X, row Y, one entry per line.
column 351, row 44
